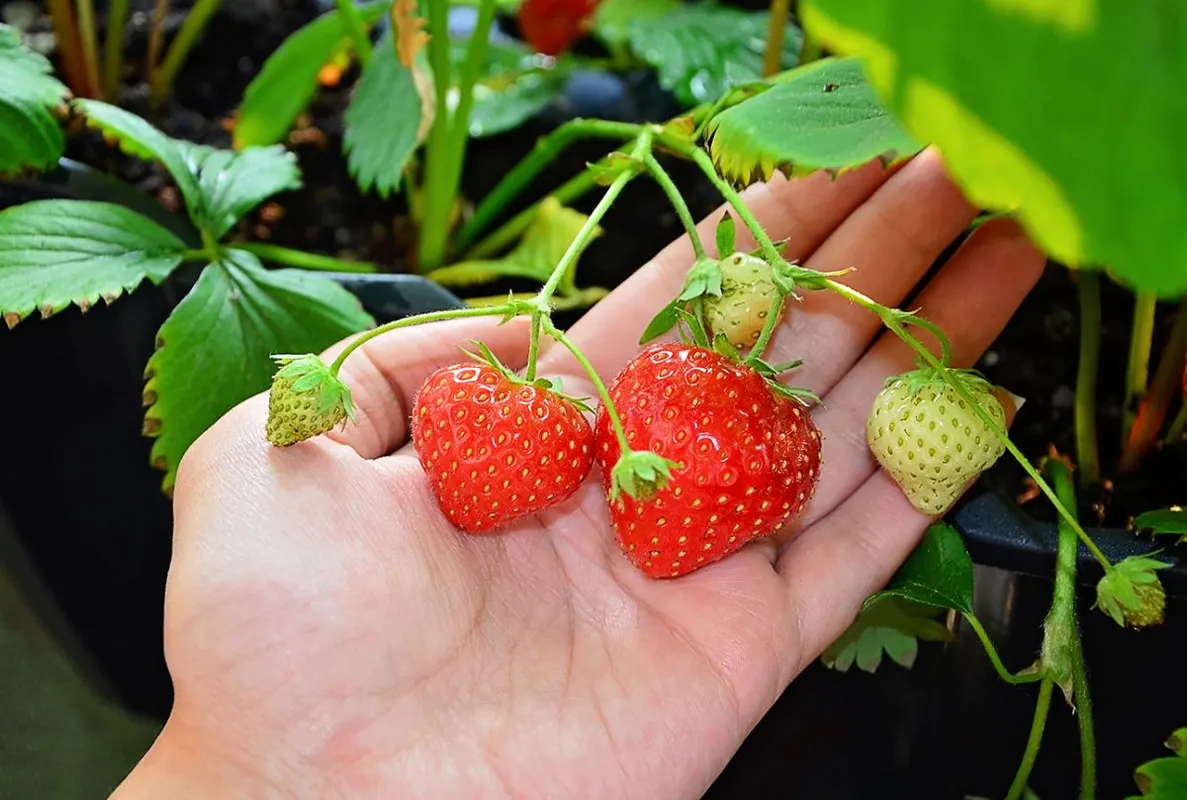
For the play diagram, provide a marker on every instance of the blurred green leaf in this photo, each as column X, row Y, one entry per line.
column 888, row 625
column 30, row 136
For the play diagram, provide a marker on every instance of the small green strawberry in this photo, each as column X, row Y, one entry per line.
column 1131, row 592
column 928, row 437
column 306, row 400
column 747, row 291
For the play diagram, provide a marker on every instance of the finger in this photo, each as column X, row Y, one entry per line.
column 892, row 240
column 803, row 211
column 385, row 373
column 971, row 299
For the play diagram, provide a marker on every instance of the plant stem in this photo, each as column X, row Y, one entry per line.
column 773, row 57
column 61, row 14
column 1167, row 379
column 893, row 320
column 418, row 319
column 1087, row 454
column 506, row 234
column 155, row 39
column 1137, row 372
column 349, row 11
column 677, row 200
column 598, row 383
column 303, row 260
column 113, row 46
column 531, row 165
column 995, row 659
column 438, row 196
column 195, row 23
column 534, row 345
column 1061, row 639
column 90, row 42
column 1033, row 742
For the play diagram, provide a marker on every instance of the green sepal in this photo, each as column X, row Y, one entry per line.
column 1131, row 592
column 486, row 356
column 640, row 473
column 614, row 165
column 724, row 347
column 310, row 375
column 725, row 235
column 700, row 336
column 667, row 318
column 804, row 396
column 703, row 279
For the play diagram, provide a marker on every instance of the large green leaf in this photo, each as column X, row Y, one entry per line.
column 215, row 349
column 890, row 625
column 233, row 183
column 514, row 86
column 938, row 573
column 30, row 137
column 288, row 80
column 614, row 18
column 1069, row 112
column 386, row 120
column 57, row 252
column 702, row 49
column 1165, row 778
column 820, row 116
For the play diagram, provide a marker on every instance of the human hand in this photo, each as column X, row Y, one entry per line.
column 329, row 634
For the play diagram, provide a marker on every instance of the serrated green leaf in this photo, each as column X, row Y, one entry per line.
column 700, row 50
column 1072, row 83
column 1165, row 778
column 1163, row 520
column 890, row 625
column 820, row 116
column 388, row 117
column 613, row 18
column 288, row 80
column 215, row 349
column 667, row 318
column 57, row 252
column 138, row 138
column 30, row 136
column 514, row 85
column 938, row 573
column 233, row 183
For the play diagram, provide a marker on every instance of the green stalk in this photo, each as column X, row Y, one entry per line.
column 1167, row 381
column 995, row 659
column 598, row 383
column 893, row 319
column 438, row 199
column 1175, row 434
column 113, row 46
column 1087, row 453
column 545, row 150
column 772, row 60
column 61, row 15
column 349, row 11
column 1038, row 723
column 1137, row 373
column 506, row 234
column 418, row 319
column 195, row 23
column 1062, row 653
column 303, row 260
column 90, row 43
column 156, row 37
column 666, row 183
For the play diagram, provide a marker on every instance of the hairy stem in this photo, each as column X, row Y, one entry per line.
column 1038, row 723
column 768, row 328
column 1087, row 453
column 665, row 182
column 156, row 38
column 596, row 379
column 418, row 319
column 439, row 196
column 1167, row 380
column 90, row 43
column 1137, row 372
column 534, row 345
column 195, row 23
column 995, row 659
column 772, row 60
column 353, row 21
column 61, row 14
column 113, row 46
column 1063, row 631
column 303, row 260
column 545, row 150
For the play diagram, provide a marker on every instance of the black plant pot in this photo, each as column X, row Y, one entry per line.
column 75, row 480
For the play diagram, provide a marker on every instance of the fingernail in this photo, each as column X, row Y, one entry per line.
column 1017, row 399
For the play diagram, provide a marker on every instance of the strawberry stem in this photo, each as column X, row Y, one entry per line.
column 1018, row 787
column 353, row 22
column 1014, row 679
column 419, row 319
column 594, row 378
column 664, row 180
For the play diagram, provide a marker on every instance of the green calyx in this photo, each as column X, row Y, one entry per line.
column 306, row 400
column 1131, row 592
column 640, row 473
column 928, row 377
column 486, row 356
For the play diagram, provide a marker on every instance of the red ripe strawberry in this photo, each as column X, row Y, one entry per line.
column 551, row 26
column 497, row 448
column 747, row 458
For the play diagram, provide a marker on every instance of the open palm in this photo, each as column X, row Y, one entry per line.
column 331, row 635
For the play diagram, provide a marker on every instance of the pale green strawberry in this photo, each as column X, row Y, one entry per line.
column 747, row 290
column 306, row 400
column 929, row 439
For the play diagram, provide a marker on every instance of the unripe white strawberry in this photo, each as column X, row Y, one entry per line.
column 929, row 439
column 747, row 290
column 306, row 400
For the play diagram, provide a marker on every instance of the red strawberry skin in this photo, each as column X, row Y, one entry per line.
column 551, row 26
column 497, row 451
column 748, row 458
